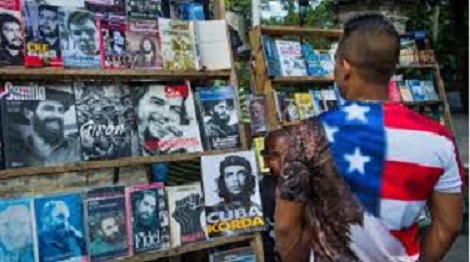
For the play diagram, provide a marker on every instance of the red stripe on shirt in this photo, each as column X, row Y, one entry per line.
column 409, row 239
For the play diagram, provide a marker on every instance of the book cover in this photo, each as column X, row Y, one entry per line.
column 258, row 114
column 112, row 10
column 327, row 63
column 59, row 228
column 12, row 40
column 105, row 118
column 244, row 98
column 279, row 99
column 318, row 103
column 429, row 90
column 312, row 60
column 39, row 124
column 393, row 92
column 147, row 218
column 304, row 104
column 271, row 56
column 244, row 254
column 190, row 12
column 232, row 199
column 80, row 38
column 330, row 99
column 166, row 118
column 291, row 60
column 13, row 5
column 258, row 147
column 68, row 3
column 407, row 50
column 291, row 112
column 106, row 221
column 405, row 91
column 16, row 231
column 143, row 9
column 187, row 217
column 113, row 45
column 219, row 117
column 178, row 44
column 416, row 90
column 144, row 44
column 212, row 41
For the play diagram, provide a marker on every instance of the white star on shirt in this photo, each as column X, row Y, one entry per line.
column 357, row 161
column 330, row 132
column 356, row 112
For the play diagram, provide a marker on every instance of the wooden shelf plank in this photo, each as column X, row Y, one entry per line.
column 131, row 74
column 154, row 255
column 301, row 79
column 418, row 66
column 91, row 165
column 422, row 103
column 299, row 31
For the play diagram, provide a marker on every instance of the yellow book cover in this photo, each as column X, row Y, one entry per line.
column 258, row 144
column 304, row 105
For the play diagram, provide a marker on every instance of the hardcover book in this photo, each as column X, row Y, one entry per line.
column 16, row 231
column 105, row 117
column 39, row 124
column 236, row 209
column 187, row 217
column 219, row 117
column 166, row 118
column 59, row 228
column 147, row 218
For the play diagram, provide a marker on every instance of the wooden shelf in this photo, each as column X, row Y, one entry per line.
column 91, row 165
column 418, row 66
column 301, row 79
column 422, row 103
column 154, row 255
column 299, row 31
column 130, row 74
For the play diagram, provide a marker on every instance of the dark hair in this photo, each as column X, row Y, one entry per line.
column 141, row 195
column 48, row 8
column 273, row 136
column 152, row 43
column 7, row 18
column 78, row 16
column 65, row 98
column 372, row 45
column 250, row 182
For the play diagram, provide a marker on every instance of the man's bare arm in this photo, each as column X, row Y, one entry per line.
column 446, row 214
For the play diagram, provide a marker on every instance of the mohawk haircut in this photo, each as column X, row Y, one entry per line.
column 371, row 44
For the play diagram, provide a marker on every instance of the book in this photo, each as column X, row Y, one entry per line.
column 178, row 44
column 327, row 63
column 59, row 228
column 147, row 218
column 236, row 208
column 108, row 10
column 319, row 105
column 143, row 9
column 304, row 104
column 105, row 117
column 42, row 37
column 190, row 12
column 80, row 38
column 212, row 42
column 16, row 227
column 113, row 45
column 271, row 56
column 166, row 118
column 291, row 112
column 106, row 223
column 429, row 90
column 405, row 92
column 144, row 46
column 290, row 58
column 279, row 98
column 258, row 114
column 39, row 124
column 68, row 3
column 408, row 50
column 219, row 117
column 258, row 147
column 244, row 254
column 187, row 216
column 393, row 92
column 416, row 90
column 329, row 99
column 13, row 5
column 12, row 47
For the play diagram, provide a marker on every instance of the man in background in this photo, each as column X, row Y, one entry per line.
column 11, row 41
column 49, row 28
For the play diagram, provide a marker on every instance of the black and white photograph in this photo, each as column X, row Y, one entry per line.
column 39, row 124
column 68, row 3
column 105, row 117
column 11, row 39
column 166, row 118
column 231, row 194
column 144, row 9
column 258, row 114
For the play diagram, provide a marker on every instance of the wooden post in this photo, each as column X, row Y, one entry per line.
column 442, row 94
column 256, row 244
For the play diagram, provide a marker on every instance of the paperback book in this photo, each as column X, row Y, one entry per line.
column 236, row 209
column 144, row 45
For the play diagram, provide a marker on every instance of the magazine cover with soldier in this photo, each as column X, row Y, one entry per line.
column 219, row 117
column 113, row 45
column 143, row 45
column 39, row 124
column 105, row 117
column 232, row 198
column 106, row 221
column 178, row 44
column 59, row 228
column 166, row 118
column 16, row 235
column 187, row 217
column 11, row 35
column 147, row 218
column 144, row 9
column 80, row 38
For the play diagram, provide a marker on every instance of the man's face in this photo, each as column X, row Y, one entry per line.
column 276, row 150
column 235, row 179
column 110, row 229
column 12, row 35
column 118, row 39
column 157, row 114
column 59, row 219
column 146, row 209
column 48, row 121
column 221, row 113
column 48, row 24
column 257, row 111
column 15, row 233
column 85, row 36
